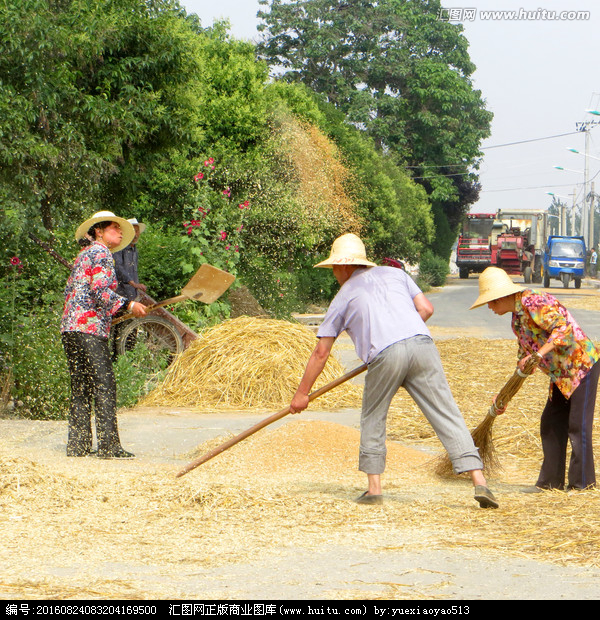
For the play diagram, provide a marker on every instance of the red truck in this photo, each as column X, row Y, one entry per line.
column 474, row 252
column 519, row 248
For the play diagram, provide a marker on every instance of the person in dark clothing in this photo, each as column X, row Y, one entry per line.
column 126, row 265
column 129, row 285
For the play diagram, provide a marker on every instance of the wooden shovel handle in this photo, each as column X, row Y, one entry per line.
column 267, row 421
column 166, row 302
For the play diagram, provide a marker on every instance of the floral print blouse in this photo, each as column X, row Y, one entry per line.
column 540, row 317
column 90, row 298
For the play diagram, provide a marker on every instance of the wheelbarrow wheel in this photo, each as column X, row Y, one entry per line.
column 156, row 335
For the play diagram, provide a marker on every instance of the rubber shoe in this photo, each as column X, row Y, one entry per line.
column 532, row 490
column 485, row 497
column 119, row 453
column 369, row 499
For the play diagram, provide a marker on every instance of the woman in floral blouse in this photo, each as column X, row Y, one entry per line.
column 90, row 304
column 546, row 330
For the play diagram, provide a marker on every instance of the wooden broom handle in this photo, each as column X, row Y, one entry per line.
column 267, row 421
column 503, row 399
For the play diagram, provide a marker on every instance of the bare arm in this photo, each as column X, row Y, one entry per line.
column 314, row 367
column 423, row 306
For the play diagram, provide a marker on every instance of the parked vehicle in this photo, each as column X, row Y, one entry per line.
column 473, row 252
column 514, row 254
column 519, row 248
column 511, row 240
column 564, row 260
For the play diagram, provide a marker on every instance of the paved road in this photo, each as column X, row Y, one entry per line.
column 453, row 317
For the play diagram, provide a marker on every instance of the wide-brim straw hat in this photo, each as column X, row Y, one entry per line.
column 133, row 221
column 347, row 250
column 495, row 283
column 107, row 216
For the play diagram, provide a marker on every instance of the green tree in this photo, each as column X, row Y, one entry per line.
column 395, row 209
column 554, row 214
column 82, row 86
column 398, row 72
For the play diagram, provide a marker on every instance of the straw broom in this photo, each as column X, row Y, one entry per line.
column 482, row 435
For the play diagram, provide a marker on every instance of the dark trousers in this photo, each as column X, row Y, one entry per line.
column 565, row 420
column 93, row 388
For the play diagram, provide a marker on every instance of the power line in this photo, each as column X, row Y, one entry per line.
column 560, row 135
column 484, row 148
column 516, row 189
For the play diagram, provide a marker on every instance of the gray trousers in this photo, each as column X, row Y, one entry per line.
column 415, row 365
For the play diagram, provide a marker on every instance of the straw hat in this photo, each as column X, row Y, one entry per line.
column 108, row 216
column 133, row 221
column 494, row 283
column 347, row 250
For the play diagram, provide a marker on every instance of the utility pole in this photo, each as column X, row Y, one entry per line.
column 573, row 213
column 587, row 213
column 589, row 241
column 592, row 213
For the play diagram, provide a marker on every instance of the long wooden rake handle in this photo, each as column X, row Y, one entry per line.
column 267, row 421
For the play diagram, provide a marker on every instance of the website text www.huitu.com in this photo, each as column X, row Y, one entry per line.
column 460, row 14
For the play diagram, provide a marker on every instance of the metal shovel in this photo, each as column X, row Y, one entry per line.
column 206, row 285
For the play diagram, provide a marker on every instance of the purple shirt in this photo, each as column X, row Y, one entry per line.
column 375, row 307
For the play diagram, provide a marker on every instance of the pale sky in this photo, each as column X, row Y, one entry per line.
column 538, row 76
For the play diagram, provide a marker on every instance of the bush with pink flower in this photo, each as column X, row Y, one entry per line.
column 214, row 230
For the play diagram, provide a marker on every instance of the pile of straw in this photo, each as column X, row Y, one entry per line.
column 248, row 363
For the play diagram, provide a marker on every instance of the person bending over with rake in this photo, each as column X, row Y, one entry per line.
column 546, row 330
column 384, row 313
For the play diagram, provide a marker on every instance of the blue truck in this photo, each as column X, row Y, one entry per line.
column 564, row 260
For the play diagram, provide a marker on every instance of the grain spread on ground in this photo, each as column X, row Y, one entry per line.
column 82, row 528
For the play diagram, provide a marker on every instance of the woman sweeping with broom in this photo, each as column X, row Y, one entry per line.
column 546, row 331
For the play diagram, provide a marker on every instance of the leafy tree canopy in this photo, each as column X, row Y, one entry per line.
column 399, row 73
column 82, row 85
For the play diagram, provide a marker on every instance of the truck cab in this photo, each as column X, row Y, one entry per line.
column 564, row 260
column 473, row 252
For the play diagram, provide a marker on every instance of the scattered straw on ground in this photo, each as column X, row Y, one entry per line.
column 247, row 363
column 578, row 300
column 89, row 529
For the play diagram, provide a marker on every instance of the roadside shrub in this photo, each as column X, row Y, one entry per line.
column 39, row 367
column 274, row 289
column 137, row 373
column 161, row 254
column 316, row 286
column 432, row 270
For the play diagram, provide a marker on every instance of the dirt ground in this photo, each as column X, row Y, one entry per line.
column 273, row 518
column 270, row 519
